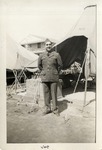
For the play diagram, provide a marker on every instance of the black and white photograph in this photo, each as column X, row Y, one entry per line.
column 50, row 73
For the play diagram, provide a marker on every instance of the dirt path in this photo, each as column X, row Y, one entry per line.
column 25, row 123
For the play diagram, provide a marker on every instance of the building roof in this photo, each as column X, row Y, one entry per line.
column 34, row 39
column 39, row 51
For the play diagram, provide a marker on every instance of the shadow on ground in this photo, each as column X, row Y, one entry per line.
column 80, row 88
column 63, row 105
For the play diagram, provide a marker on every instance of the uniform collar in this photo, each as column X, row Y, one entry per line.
column 50, row 54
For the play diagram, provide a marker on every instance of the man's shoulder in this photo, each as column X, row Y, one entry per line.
column 55, row 53
column 42, row 54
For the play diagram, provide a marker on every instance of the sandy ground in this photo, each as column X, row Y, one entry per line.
column 26, row 124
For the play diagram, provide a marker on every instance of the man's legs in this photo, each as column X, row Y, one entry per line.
column 54, row 96
column 46, row 88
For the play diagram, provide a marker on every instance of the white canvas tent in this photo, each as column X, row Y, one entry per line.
column 81, row 40
column 18, row 58
column 85, row 27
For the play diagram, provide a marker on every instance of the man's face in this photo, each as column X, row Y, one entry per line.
column 48, row 46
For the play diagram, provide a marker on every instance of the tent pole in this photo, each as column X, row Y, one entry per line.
column 25, row 77
column 16, row 82
column 77, row 83
column 15, row 73
column 79, row 74
column 85, row 94
column 18, row 77
column 86, row 76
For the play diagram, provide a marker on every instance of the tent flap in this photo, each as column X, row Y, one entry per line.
column 72, row 49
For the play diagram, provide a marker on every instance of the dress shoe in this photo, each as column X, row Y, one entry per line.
column 56, row 112
column 46, row 112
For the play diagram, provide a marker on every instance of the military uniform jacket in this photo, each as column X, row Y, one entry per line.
column 50, row 65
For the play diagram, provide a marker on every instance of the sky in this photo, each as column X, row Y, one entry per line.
column 47, row 18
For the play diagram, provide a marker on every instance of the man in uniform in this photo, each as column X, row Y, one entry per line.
column 50, row 64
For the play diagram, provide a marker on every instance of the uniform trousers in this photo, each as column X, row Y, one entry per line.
column 50, row 92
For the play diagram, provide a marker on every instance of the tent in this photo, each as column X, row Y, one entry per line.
column 80, row 45
column 81, row 38
column 18, row 58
